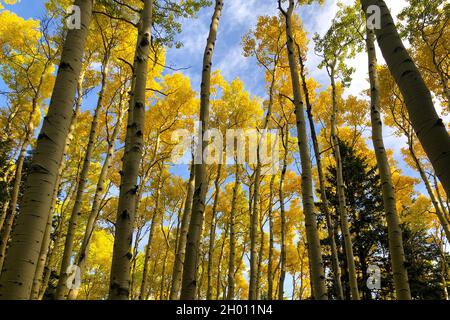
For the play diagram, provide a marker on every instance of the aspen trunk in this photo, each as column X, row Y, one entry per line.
column 82, row 181
column 430, row 129
column 42, row 274
column 312, row 234
column 285, row 139
column 95, row 209
column 253, row 233
column 444, row 268
column 439, row 196
column 37, row 282
column 120, row 269
column 51, row 261
column 219, row 264
column 212, row 232
column 133, row 266
column 253, row 287
column 153, row 224
column 189, row 280
column 231, row 261
column 342, row 207
column 323, row 194
column 179, row 257
column 20, row 266
column 3, row 216
column 163, row 273
column 440, row 213
column 271, row 242
column 394, row 231
column 260, row 255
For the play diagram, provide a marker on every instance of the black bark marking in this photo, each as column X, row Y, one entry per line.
column 65, row 66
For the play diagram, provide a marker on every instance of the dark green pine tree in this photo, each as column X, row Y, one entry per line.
column 365, row 212
column 369, row 234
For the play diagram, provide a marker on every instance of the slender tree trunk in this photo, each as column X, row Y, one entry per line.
column 189, row 282
column 133, row 266
column 76, row 211
column 253, row 234
column 394, row 231
column 3, row 216
column 439, row 211
column 285, row 137
column 95, row 209
column 253, row 287
column 179, row 257
column 271, row 242
column 163, row 271
column 31, row 224
column 153, row 224
column 312, row 234
column 231, row 261
column 323, row 194
column 20, row 266
column 120, row 269
column 51, row 261
column 212, row 232
column 430, row 129
column 439, row 196
column 38, row 277
column 444, row 268
column 340, row 190
column 42, row 277
column 219, row 264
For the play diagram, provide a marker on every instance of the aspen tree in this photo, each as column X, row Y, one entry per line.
column 38, row 282
column 212, row 232
column 181, row 246
column 285, row 142
column 398, row 118
column 394, row 232
column 425, row 23
column 315, row 252
column 323, row 195
column 120, row 267
column 95, row 208
column 27, row 71
column 338, row 43
column 232, row 257
column 340, row 187
column 20, row 265
column 189, row 283
column 153, row 225
column 430, row 129
column 271, row 241
column 47, row 257
column 50, row 257
column 82, row 180
column 266, row 46
column 270, row 64
column 17, row 181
